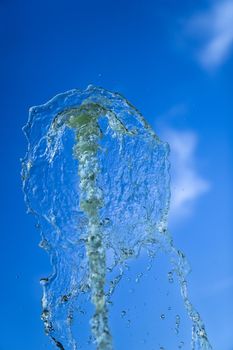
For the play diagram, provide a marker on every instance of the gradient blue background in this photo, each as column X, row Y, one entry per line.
column 141, row 49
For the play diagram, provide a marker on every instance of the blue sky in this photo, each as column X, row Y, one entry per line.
column 174, row 61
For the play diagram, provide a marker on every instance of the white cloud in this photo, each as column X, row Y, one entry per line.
column 186, row 184
column 215, row 30
column 180, row 110
column 217, row 287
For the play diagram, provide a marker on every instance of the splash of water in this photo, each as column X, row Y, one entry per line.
column 96, row 176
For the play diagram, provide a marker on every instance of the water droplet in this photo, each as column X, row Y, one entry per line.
column 170, row 277
column 177, row 327
column 162, row 316
column 123, row 313
column 44, row 280
column 181, row 345
column 139, row 276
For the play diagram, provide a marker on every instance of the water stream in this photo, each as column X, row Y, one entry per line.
column 96, row 176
